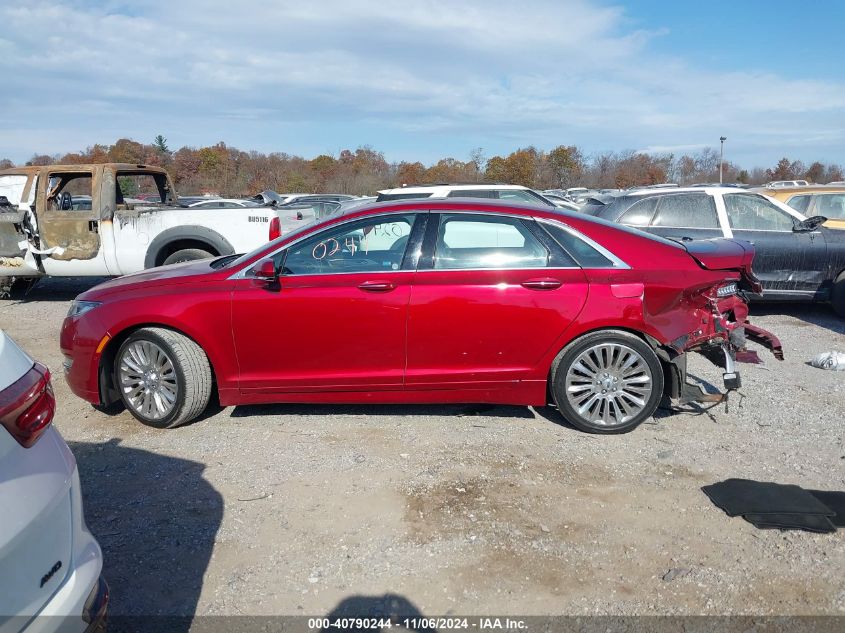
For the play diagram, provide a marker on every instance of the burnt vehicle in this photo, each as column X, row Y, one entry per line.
column 106, row 219
column 797, row 259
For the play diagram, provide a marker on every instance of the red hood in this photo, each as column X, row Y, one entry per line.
column 188, row 272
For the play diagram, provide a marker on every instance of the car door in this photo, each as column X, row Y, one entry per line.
column 67, row 207
column 686, row 216
column 489, row 300
column 336, row 320
column 786, row 261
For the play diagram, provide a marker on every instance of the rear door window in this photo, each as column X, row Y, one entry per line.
column 583, row 253
column 830, row 205
column 467, row 241
column 692, row 210
column 800, row 203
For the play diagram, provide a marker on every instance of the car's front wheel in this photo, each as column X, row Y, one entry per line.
column 608, row 381
column 164, row 378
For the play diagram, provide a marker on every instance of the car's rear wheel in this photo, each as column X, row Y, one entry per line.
column 838, row 295
column 186, row 255
column 607, row 382
column 164, row 378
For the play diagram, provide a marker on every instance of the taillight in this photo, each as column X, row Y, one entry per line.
column 727, row 290
column 27, row 406
column 275, row 228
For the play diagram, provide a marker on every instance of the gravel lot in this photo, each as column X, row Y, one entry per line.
column 292, row 509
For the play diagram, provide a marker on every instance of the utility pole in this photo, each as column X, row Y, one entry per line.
column 722, row 140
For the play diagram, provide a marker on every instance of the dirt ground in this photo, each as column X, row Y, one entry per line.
column 297, row 509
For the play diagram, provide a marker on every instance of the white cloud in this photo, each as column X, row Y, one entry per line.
column 427, row 78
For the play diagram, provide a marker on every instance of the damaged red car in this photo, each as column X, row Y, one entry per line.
column 422, row 301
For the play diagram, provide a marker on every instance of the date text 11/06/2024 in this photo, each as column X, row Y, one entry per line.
column 418, row 623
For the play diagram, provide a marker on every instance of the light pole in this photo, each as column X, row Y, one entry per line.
column 722, row 140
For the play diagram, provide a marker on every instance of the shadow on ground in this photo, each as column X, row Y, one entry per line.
column 156, row 518
column 59, row 288
column 398, row 609
column 820, row 314
column 372, row 410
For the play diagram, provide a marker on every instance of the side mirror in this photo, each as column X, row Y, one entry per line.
column 264, row 273
column 810, row 224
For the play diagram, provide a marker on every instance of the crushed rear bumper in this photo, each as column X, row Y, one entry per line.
column 722, row 334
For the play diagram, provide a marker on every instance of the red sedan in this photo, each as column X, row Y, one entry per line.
column 418, row 302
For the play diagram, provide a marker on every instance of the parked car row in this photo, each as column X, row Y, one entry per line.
column 796, row 258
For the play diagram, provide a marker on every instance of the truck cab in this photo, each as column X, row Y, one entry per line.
column 109, row 219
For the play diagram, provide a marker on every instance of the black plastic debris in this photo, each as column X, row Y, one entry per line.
column 779, row 506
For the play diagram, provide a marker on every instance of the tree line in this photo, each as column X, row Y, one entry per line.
column 228, row 171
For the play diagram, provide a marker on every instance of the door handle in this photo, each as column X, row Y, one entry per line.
column 543, row 283
column 93, row 226
column 377, row 286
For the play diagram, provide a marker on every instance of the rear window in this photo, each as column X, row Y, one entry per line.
column 695, row 210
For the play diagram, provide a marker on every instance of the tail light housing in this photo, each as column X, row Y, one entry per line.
column 27, row 406
column 727, row 290
column 275, row 228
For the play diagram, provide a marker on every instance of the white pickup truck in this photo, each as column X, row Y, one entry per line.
column 109, row 219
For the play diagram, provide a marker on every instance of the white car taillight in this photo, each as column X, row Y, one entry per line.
column 27, row 406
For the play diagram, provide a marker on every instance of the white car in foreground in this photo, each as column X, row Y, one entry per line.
column 50, row 564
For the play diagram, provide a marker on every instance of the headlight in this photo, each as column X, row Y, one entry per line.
column 727, row 290
column 78, row 308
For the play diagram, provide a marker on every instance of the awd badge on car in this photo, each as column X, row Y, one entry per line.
column 46, row 577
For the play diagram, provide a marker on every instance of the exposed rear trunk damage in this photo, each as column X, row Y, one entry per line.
column 716, row 320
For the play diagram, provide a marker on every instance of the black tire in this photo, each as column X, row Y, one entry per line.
column 16, row 287
column 838, row 295
column 186, row 255
column 190, row 377
column 608, row 395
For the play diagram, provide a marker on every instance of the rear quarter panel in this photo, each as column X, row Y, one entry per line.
column 655, row 296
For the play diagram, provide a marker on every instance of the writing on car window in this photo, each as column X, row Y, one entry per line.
column 374, row 244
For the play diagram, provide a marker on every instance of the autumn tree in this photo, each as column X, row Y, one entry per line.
column 567, row 165
column 815, row 172
column 409, row 174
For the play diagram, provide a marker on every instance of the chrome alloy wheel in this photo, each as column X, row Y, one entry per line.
column 609, row 384
column 148, row 380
